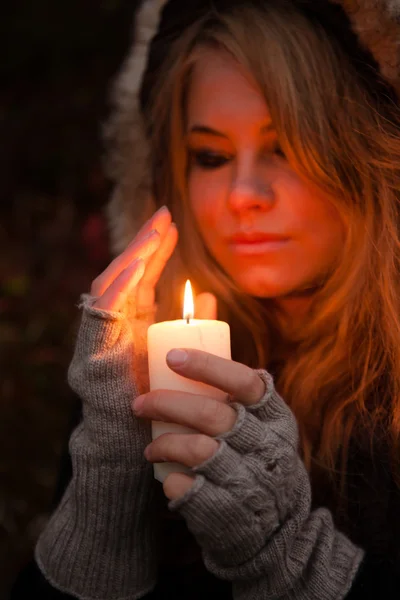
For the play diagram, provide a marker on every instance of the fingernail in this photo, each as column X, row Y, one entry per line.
column 177, row 358
column 163, row 209
column 136, row 270
column 135, row 241
column 138, row 404
column 136, row 263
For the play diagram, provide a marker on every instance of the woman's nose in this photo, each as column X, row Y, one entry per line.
column 250, row 195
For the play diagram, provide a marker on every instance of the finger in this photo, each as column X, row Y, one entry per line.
column 204, row 414
column 159, row 259
column 115, row 296
column 176, row 485
column 187, row 449
column 206, row 306
column 143, row 245
column 161, row 221
column 243, row 383
column 154, row 268
column 143, row 248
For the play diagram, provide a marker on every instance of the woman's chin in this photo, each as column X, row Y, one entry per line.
column 264, row 287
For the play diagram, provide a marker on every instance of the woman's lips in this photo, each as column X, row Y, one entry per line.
column 253, row 244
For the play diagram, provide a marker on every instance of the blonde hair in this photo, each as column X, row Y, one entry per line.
column 341, row 371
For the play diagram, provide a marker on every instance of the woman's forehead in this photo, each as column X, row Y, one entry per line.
column 220, row 88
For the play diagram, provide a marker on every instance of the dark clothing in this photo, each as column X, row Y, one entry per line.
column 177, row 585
column 374, row 580
column 372, row 520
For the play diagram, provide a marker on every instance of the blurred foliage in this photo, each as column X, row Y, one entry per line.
column 56, row 64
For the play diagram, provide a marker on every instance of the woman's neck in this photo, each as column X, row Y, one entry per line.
column 292, row 310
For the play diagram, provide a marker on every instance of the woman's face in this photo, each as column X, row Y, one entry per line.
column 270, row 230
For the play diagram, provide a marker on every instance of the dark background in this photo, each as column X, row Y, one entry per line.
column 57, row 61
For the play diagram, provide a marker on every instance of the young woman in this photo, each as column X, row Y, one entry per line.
column 270, row 143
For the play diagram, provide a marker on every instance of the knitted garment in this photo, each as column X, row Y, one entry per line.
column 249, row 506
column 101, row 540
column 249, row 509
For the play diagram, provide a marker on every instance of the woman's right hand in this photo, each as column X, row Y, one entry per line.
column 137, row 270
column 111, row 490
column 109, row 365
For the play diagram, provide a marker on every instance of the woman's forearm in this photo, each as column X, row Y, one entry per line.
column 317, row 563
column 99, row 543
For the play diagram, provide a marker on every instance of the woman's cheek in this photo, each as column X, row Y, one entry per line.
column 206, row 199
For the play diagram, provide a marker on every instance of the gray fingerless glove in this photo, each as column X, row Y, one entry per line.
column 100, row 541
column 249, row 509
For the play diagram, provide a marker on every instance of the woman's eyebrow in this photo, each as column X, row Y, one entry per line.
column 207, row 130
column 210, row 131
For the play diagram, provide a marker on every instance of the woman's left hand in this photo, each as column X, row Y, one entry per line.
column 247, row 473
column 209, row 416
column 249, row 504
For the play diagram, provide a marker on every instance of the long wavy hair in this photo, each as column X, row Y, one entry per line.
column 339, row 127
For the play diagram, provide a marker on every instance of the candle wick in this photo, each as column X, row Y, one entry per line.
column 188, row 319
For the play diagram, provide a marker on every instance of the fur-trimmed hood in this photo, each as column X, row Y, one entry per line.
column 375, row 22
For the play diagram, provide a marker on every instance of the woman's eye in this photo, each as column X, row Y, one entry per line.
column 279, row 152
column 275, row 149
column 207, row 159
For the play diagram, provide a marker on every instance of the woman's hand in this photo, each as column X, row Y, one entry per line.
column 105, row 515
column 248, row 478
column 249, row 503
column 211, row 417
column 139, row 267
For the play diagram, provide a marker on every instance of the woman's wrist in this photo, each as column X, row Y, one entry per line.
column 105, row 373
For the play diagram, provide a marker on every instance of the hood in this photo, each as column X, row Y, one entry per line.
column 376, row 23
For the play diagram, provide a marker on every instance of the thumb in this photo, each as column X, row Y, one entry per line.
column 206, row 306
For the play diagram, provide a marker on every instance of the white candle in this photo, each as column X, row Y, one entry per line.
column 209, row 335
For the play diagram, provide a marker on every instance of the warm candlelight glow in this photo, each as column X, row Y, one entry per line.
column 188, row 306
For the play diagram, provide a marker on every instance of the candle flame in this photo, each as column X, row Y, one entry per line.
column 188, row 305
